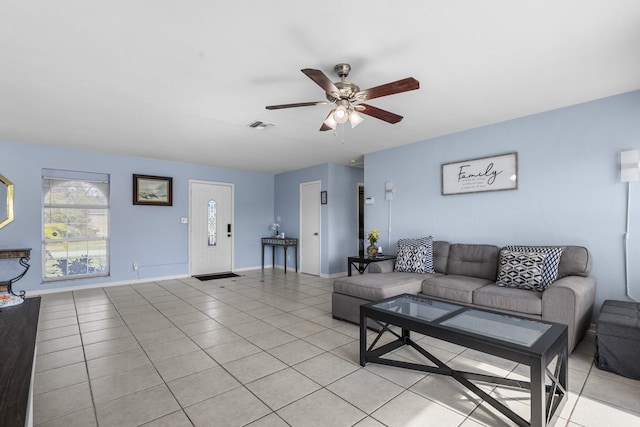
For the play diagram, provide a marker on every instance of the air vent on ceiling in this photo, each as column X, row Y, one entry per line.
column 260, row 125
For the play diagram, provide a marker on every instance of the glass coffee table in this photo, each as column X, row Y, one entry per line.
column 527, row 341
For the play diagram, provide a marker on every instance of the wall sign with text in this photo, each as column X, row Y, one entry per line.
column 485, row 174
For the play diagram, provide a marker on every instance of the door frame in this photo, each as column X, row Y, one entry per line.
column 319, row 183
column 359, row 211
column 233, row 219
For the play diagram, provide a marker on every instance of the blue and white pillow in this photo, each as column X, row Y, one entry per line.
column 415, row 255
column 522, row 270
column 551, row 263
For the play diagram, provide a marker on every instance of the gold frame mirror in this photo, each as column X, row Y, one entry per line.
column 7, row 216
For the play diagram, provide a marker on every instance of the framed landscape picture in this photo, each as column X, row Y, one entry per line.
column 152, row 190
column 484, row 174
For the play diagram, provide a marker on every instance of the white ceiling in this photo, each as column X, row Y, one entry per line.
column 182, row 79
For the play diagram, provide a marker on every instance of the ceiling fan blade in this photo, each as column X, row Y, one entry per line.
column 322, row 80
column 299, row 104
column 398, row 86
column 378, row 113
column 324, row 127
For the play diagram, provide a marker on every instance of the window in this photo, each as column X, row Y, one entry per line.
column 212, row 217
column 75, row 224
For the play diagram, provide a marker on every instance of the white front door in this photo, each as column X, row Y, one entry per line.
column 210, row 227
column 310, row 227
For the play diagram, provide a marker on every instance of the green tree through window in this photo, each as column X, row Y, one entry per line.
column 75, row 225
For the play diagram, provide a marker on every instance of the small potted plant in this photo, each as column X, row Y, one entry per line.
column 372, row 238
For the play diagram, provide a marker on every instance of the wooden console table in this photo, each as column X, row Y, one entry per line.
column 285, row 243
column 18, row 327
column 24, row 255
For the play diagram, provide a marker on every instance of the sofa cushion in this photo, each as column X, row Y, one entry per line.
column 509, row 299
column 453, row 287
column 440, row 256
column 575, row 261
column 550, row 267
column 521, row 270
column 415, row 255
column 373, row 287
column 473, row 260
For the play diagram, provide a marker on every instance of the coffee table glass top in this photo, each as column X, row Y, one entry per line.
column 495, row 325
column 500, row 326
column 421, row 308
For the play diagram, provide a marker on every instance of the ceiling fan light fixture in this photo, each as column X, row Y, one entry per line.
column 341, row 114
column 330, row 121
column 355, row 119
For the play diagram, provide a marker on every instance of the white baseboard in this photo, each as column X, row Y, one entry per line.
column 102, row 285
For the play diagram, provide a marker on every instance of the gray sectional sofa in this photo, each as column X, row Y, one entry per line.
column 467, row 274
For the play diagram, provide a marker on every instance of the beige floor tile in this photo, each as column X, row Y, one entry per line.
column 236, row 407
column 271, row 339
column 328, row 339
column 280, row 320
column 107, row 348
column 169, row 349
column 252, row 367
column 200, row 327
column 84, row 418
column 175, row 419
column 160, row 336
column 185, row 319
column 57, row 323
column 105, row 335
column 410, row 409
column 283, row 387
column 137, row 408
column 616, row 393
column 57, row 344
column 59, row 403
column 58, row 359
column 303, row 328
column 271, row 420
column 114, row 363
column 98, row 315
column 233, row 350
column 97, row 325
column 215, row 337
column 58, row 378
column 124, row 382
column 325, row 368
column 321, row 408
column 183, row 365
column 63, row 331
column 202, row 385
column 254, row 327
column 52, row 315
column 295, row 352
column 365, row 390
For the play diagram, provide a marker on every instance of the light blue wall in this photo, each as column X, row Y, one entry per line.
column 340, row 184
column 569, row 187
column 342, row 207
column 150, row 235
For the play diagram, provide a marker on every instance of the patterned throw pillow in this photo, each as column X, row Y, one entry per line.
column 521, row 270
column 415, row 255
column 550, row 268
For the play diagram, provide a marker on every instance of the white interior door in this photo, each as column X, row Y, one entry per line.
column 310, row 227
column 210, row 227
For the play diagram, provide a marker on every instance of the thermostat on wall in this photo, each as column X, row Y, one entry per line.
column 368, row 201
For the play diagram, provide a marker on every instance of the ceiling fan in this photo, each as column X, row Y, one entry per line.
column 348, row 98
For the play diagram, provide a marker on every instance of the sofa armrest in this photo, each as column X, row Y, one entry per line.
column 385, row 266
column 570, row 301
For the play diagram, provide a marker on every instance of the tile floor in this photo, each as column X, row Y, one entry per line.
column 262, row 350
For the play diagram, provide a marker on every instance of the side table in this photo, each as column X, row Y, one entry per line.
column 284, row 243
column 362, row 262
